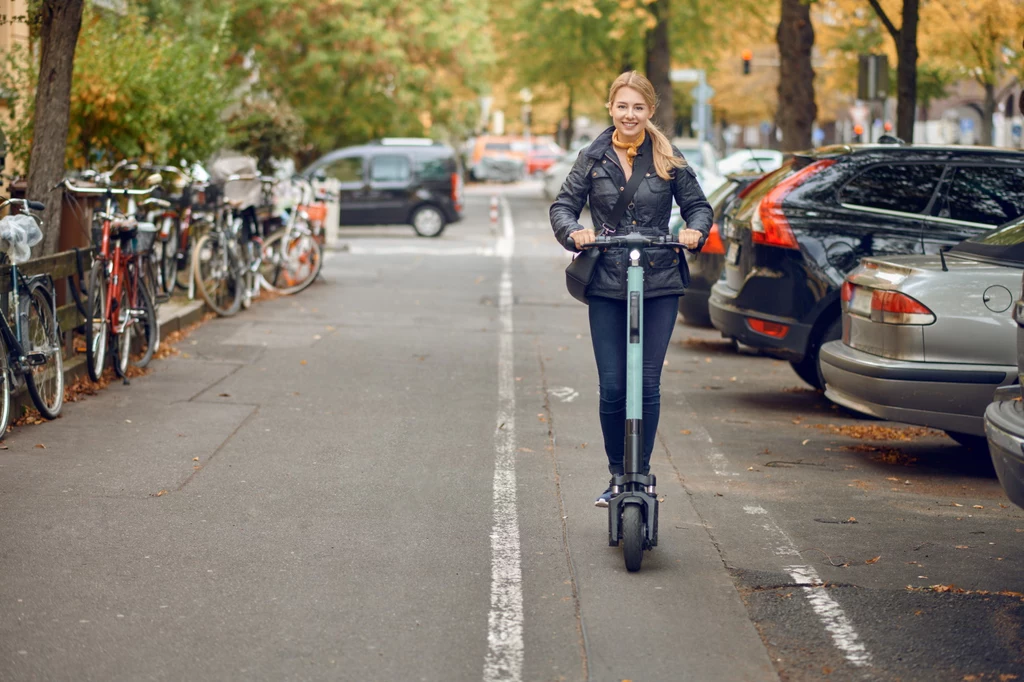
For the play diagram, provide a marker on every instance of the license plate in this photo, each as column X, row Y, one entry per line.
column 732, row 256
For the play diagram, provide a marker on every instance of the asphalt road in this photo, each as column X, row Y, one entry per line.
column 391, row 477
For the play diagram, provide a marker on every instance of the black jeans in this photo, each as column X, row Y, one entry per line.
column 608, row 332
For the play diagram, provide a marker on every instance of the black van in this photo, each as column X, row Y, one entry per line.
column 396, row 181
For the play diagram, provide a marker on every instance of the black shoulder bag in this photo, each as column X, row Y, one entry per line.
column 580, row 272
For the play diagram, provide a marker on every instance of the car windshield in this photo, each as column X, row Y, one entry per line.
column 1005, row 243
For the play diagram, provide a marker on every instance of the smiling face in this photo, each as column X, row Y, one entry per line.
column 630, row 112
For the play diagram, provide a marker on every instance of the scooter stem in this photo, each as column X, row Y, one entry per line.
column 634, row 448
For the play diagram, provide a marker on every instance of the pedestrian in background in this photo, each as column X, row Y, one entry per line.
column 600, row 174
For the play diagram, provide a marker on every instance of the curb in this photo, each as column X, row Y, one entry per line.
column 172, row 316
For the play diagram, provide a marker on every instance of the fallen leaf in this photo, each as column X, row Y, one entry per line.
column 957, row 504
column 874, row 560
column 851, row 520
column 225, row 395
column 806, row 441
column 963, row 547
column 978, row 506
column 195, row 459
column 302, row 362
column 525, row 450
column 686, row 432
column 40, row 446
column 161, row 493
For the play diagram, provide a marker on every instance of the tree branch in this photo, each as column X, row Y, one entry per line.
column 895, row 32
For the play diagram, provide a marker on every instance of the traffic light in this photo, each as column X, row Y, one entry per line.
column 748, row 56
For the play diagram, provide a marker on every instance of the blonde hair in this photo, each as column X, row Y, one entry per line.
column 665, row 160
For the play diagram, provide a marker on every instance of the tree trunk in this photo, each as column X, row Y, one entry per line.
column 988, row 109
column 906, row 72
column 659, row 67
column 797, row 109
column 570, row 128
column 61, row 21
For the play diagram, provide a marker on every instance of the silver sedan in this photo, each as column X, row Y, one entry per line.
column 928, row 339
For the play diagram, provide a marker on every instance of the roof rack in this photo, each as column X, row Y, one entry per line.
column 405, row 142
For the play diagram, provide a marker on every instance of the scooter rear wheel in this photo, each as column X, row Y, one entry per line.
column 632, row 537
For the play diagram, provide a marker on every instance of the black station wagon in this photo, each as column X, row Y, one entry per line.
column 396, row 181
column 796, row 234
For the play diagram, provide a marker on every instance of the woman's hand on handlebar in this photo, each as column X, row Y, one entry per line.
column 690, row 238
column 583, row 237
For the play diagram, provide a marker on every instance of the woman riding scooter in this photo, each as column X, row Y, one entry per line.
column 600, row 175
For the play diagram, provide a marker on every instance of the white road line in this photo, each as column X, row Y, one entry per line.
column 504, row 661
column 832, row 616
column 828, row 610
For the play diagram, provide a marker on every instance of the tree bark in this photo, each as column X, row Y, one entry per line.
column 905, row 39
column 988, row 109
column 659, row 67
column 797, row 110
column 570, row 128
column 61, row 21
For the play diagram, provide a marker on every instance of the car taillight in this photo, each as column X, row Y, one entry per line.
column 769, row 224
column 457, row 192
column 893, row 307
column 847, row 292
column 713, row 244
column 772, row 329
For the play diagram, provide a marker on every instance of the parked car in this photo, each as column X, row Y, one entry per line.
column 542, row 156
column 702, row 158
column 501, row 158
column 751, row 161
column 928, row 339
column 795, row 236
column 1004, row 423
column 706, row 266
column 396, row 181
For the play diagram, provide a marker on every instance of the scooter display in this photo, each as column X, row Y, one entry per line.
column 633, row 509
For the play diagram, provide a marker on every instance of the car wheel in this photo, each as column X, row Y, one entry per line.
column 809, row 369
column 428, row 221
column 695, row 314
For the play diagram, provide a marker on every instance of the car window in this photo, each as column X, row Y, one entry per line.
column 721, row 194
column 436, row 169
column 345, row 170
column 498, row 146
column 989, row 195
column 390, row 169
column 905, row 188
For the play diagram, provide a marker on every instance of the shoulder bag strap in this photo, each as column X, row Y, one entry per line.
column 641, row 165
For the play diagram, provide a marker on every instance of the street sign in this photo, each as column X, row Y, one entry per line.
column 684, row 75
column 702, row 92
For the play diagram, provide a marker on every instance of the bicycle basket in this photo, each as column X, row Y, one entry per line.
column 145, row 237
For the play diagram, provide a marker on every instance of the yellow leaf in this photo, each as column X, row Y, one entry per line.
column 874, row 560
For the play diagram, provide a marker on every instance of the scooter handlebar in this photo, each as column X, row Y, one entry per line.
column 632, row 240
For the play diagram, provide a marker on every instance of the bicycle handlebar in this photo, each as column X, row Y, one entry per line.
column 26, row 203
column 103, row 190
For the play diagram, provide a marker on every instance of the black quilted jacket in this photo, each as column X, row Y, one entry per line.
column 648, row 214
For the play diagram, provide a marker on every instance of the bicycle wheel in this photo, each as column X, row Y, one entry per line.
column 168, row 255
column 146, row 328
column 45, row 381
column 5, row 389
column 217, row 275
column 97, row 323
column 291, row 262
column 632, row 537
column 122, row 332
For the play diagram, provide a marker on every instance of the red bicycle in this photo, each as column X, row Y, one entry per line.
column 120, row 311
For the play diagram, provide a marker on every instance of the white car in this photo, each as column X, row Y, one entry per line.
column 751, row 161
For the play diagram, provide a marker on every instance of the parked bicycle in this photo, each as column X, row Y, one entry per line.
column 291, row 258
column 30, row 338
column 119, row 308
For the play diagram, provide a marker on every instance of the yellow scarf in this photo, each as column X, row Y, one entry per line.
column 630, row 147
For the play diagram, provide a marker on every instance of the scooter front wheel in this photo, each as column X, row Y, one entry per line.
column 633, row 537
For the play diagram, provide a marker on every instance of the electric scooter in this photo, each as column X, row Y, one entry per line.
column 633, row 509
